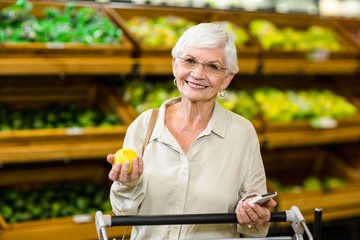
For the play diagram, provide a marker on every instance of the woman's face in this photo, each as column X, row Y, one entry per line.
column 200, row 73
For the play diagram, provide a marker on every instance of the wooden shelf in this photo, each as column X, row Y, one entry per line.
column 294, row 138
column 162, row 65
column 70, row 148
column 59, row 229
column 302, row 66
column 27, row 145
column 336, row 205
column 65, row 65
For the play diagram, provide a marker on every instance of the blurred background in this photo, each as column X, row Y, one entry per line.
column 75, row 74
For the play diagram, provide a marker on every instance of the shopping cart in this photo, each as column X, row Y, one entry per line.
column 293, row 216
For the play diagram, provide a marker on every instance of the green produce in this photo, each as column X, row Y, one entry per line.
column 289, row 105
column 275, row 105
column 312, row 183
column 289, row 39
column 142, row 95
column 158, row 31
column 240, row 102
column 52, row 201
column 55, row 116
column 76, row 25
column 241, row 37
column 16, row 13
column 333, row 182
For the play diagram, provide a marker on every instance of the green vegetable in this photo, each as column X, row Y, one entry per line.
column 76, row 25
column 15, row 13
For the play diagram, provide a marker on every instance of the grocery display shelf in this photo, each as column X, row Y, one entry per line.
column 122, row 13
column 58, row 229
column 67, row 149
column 39, row 147
column 310, row 67
column 162, row 65
column 293, row 24
column 81, row 226
column 296, row 176
column 60, row 142
column 42, row 65
column 62, row 48
column 311, row 137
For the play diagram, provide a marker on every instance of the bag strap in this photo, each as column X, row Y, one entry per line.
column 151, row 127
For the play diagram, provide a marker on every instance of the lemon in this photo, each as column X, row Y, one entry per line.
column 123, row 155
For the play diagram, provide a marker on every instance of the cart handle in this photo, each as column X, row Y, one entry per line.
column 181, row 219
column 293, row 215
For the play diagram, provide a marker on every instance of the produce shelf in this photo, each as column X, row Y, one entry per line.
column 293, row 138
column 122, row 13
column 26, row 145
column 60, row 48
column 296, row 176
column 59, row 228
column 56, row 150
column 306, row 67
column 39, row 65
column 297, row 23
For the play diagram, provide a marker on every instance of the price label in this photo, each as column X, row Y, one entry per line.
column 295, row 6
column 82, row 218
column 318, row 55
column 55, row 45
column 75, row 131
column 324, row 123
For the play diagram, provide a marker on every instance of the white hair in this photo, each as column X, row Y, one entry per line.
column 208, row 35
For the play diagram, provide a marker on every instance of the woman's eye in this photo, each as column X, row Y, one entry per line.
column 214, row 67
column 190, row 61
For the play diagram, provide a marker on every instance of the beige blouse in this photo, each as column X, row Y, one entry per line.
column 221, row 166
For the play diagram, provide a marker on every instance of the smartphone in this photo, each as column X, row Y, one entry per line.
column 261, row 199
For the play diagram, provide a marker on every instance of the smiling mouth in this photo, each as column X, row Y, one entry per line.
column 194, row 85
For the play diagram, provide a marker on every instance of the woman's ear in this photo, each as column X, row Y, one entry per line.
column 174, row 66
column 229, row 77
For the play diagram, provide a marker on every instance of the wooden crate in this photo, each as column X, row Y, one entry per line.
column 305, row 124
column 60, row 228
column 56, row 49
column 61, row 143
column 252, row 49
column 298, row 22
column 348, row 27
column 292, row 167
column 121, row 14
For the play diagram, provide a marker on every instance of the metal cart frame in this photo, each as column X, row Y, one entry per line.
column 293, row 216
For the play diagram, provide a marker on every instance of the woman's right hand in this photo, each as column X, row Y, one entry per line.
column 120, row 173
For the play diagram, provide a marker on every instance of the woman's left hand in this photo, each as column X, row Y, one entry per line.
column 255, row 214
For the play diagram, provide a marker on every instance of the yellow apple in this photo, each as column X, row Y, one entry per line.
column 123, row 155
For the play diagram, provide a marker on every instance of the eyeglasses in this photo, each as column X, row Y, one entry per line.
column 191, row 63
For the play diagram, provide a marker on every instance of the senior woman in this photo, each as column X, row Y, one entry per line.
column 201, row 158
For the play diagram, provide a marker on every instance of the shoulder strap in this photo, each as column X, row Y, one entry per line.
column 151, row 127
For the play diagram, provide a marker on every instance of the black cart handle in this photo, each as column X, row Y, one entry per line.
column 182, row 219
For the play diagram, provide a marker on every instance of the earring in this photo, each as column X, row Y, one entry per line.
column 175, row 83
column 222, row 93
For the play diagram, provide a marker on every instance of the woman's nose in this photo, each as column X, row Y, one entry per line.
column 200, row 68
